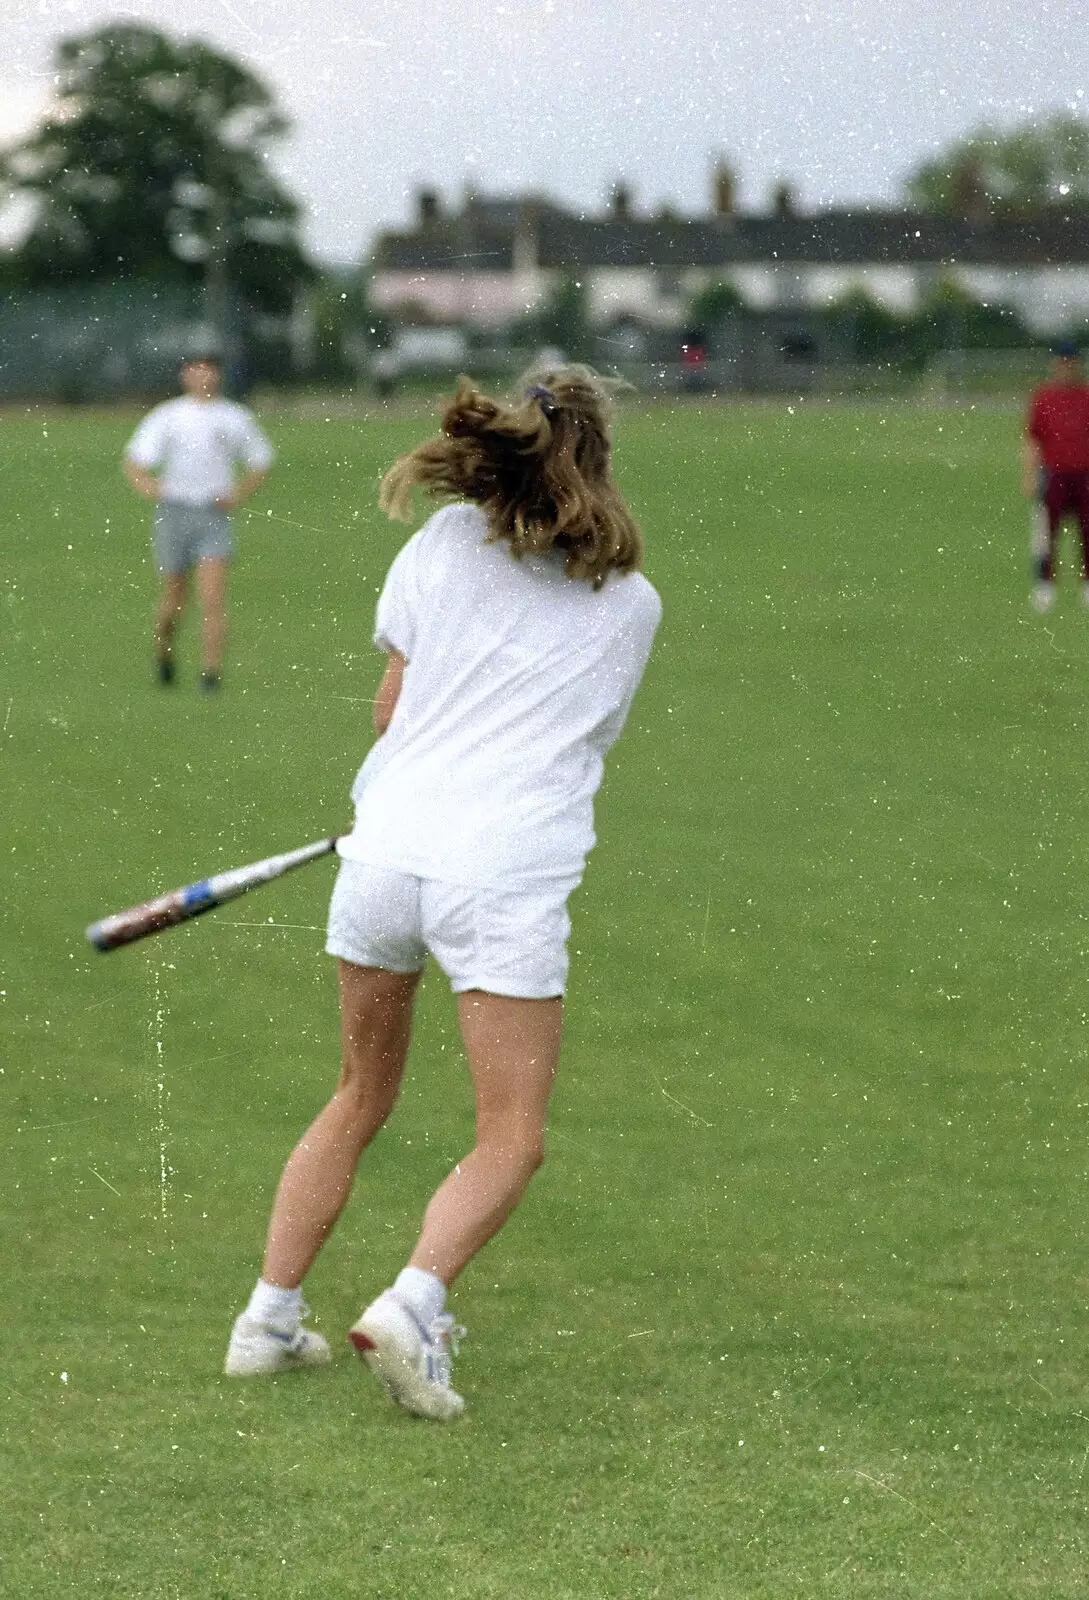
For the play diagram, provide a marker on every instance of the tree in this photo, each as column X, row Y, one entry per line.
column 1041, row 165
column 559, row 320
column 866, row 330
column 342, row 326
column 152, row 162
column 715, row 303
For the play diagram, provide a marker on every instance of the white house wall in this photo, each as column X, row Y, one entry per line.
column 485, row 299
column 1050, row 297
column 1046, row 297
column 895, row 288
column 615, row 292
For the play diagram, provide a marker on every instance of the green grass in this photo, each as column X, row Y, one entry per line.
column 798, row 1306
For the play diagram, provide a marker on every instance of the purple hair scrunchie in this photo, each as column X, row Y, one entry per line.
column 544, row 398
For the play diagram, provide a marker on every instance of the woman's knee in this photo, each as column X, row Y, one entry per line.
column 172, row 595
column 373, row 1055
column 372, row 1092
column 515, row 1146
column 534, row 1151
column 376, row 1018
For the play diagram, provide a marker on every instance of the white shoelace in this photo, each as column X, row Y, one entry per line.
column 301, row 1335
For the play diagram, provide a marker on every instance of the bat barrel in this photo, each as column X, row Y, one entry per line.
column 152, row 916
column 124, row 927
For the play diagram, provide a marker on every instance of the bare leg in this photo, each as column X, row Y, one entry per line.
column 172, row 598
column 513, row 1048
column 212, row 592
column 376, row 1022
column 1082, row 514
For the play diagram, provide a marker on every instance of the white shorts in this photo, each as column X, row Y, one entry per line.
column 505, row 941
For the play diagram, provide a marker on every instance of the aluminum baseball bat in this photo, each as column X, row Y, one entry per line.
column 195, row 898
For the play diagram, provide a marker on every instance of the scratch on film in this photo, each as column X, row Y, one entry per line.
column 160, row 1098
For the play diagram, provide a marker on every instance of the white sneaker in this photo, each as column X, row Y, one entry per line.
column 1085, row 592
column 1043, row 596
column 413, row 1361
column 256, row 1347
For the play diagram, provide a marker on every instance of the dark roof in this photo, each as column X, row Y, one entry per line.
column 447, row 247
column 833, row 238
column 483, row 237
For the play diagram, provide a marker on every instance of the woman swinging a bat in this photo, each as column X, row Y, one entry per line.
column 516, row 626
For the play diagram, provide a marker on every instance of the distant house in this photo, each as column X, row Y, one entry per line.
column 495, row 260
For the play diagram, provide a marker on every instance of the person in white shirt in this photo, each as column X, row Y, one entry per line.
column 516, row 626
column 184, row 457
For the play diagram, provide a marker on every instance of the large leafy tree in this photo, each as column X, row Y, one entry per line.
column 152, row 162
column 1044, row 164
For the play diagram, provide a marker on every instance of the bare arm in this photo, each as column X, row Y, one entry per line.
column 143, row 481
column 1031, row 463
column 389, row 690
column 246, row 485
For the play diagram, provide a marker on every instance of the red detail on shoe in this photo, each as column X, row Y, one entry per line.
column 360, row 1340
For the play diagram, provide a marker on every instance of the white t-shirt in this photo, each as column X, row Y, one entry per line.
column 195, row 445
column 519, row 679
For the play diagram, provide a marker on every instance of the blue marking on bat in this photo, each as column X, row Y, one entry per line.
column 198, row 895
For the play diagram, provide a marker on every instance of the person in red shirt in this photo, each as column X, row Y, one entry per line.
column 1056, row 466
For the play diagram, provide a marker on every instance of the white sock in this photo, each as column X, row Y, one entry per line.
column 422, row 1292
column 278, row 1308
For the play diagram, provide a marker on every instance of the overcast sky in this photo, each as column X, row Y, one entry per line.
column 842, row 97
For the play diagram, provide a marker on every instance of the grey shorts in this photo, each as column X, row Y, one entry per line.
column 184, row 535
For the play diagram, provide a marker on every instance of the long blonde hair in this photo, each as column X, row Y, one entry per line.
column 539, row 469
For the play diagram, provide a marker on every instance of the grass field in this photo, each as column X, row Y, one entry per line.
column 798, row 1306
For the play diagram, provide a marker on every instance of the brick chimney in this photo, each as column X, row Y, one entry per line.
column 970, row 192
column 620, row 203
column 723, row 190
column 783, row 202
